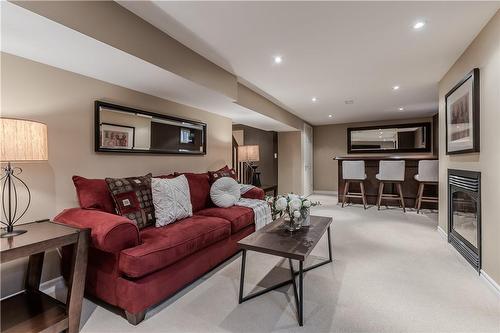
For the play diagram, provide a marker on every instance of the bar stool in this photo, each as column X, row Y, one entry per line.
column 391, row 172
column 354, row 172
column 428, row 173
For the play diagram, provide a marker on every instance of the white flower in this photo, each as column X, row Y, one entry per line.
column 295, row 204
column 306, row 203
column 292, row 196
column 280, row 204
column 296, row 214
column 270, row 200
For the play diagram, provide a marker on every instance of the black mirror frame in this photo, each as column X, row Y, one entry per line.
column 428, row 138
column 97, row 135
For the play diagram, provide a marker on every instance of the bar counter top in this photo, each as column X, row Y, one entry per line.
column 385, row 157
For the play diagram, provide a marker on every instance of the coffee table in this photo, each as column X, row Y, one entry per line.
column 275, row 240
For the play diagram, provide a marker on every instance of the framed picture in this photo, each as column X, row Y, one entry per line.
column 115, row 136
column 187, row 136
column 462, row 115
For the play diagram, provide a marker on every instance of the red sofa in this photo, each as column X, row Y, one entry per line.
column 137, row 269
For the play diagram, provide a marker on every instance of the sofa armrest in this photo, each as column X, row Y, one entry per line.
column 254, row 193
column 109, row 232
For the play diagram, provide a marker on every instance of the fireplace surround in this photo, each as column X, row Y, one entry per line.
column 464, row 214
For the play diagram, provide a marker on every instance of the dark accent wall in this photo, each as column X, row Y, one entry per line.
column 435, row 134
column 268, row 146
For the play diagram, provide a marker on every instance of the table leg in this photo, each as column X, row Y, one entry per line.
column 301, row 293
column 34, row 274
column 295, row 293
column 329, row 245
column 77, row 281
column 242, row 276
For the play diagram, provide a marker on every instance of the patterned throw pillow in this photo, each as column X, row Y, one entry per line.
column 133, row 199
column 223, row 172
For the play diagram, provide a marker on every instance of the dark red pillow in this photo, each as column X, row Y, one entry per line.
column 133, row 199
column 199, row 189
column 94, row 194
column 222, row 172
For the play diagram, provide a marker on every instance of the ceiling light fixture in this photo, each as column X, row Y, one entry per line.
column 349, row 101
column 418, row 25
column 395, row 88
column 329, row 116
column 401, row 109
column 278, row 59
column 314, row 99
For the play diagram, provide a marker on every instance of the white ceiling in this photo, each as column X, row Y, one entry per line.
column 31, row 36
column 332, row 50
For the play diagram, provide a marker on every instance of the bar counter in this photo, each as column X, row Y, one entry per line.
column 410, row 185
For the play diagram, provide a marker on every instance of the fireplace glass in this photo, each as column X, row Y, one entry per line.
column 464, row 210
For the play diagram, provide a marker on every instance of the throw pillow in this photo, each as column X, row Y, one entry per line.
column 225, row 192
column 133, row 199
column 171, row 199
column 222, row 172
column 94, row 194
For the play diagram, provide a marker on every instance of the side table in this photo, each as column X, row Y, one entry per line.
column 32, row 310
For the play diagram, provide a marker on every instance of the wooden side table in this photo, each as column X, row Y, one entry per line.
column 270, row 188
column 32, row 310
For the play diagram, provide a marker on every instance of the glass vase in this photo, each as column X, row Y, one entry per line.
column 292, row 223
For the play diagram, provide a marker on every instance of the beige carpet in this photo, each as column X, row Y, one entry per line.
column 392, row 272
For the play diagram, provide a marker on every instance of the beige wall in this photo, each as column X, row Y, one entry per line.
column 65, row 102
column 483, row 53
column 331, row 141
column 290, row 162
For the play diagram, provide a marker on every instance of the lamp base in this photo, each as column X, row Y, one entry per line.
column 12, row 233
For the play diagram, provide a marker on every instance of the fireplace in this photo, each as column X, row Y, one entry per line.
column 464, row 214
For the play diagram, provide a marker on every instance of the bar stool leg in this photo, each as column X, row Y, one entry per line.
column 362, row 187
column 420, row 195
column 380, row 192
column 346, row 189
column 401, row 198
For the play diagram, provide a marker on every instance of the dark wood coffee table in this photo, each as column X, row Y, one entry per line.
column 275, row 240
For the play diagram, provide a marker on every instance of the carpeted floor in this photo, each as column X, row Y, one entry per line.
column 392, row 272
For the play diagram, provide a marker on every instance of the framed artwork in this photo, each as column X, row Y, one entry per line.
column 115, row 136
column 462, row 115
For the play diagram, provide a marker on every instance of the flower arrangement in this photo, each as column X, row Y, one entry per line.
column 292, row 205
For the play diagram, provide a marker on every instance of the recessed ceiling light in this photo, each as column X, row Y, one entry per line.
column 329, row 116
column 401, row 109
column 278, row 59
column 395, row 88
column 314, row 99
column 418, row 25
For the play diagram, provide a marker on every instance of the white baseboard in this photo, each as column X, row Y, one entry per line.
column 442, row 233
column 489, row 280
column 325, row 192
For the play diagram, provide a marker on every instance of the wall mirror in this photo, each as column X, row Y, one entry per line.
column 390, row 138
column 126, row 130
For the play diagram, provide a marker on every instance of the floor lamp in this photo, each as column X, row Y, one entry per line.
column 20, row 140
column 248, row 155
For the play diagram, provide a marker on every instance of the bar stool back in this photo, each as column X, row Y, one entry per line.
column 353, row 172
column 391, row 172
column 428, row 174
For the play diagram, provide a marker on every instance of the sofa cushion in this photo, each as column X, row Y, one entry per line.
column 240, row 217
column 171, row 199
column 225, row 192
column 94, row 194
column 199, row 189
column 133, row 199
column 222, row 172
column 164, row 246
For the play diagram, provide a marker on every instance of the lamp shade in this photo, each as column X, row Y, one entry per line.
column 248, row 153
column 22, row 140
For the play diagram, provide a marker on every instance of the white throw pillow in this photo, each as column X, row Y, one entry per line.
column 171, row 199
column 225, row 192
